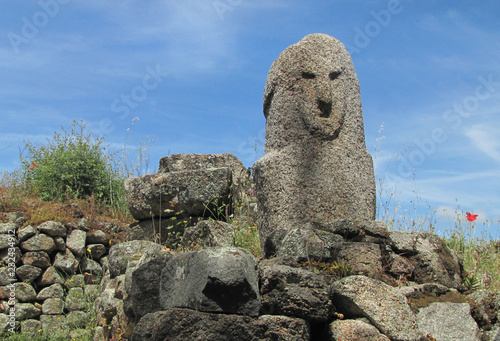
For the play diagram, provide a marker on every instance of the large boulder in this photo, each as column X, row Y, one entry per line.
column 448, row 322
column 432, row 259
column 189, row 185
column 316, row 167
column 184, row 324
column 294, row 292
column 144, row 290
column 221, row 280
column 384, row 306
column 193, row 192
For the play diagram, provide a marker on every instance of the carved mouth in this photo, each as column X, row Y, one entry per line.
column 325, row 108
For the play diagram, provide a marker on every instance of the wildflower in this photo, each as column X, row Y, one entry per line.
column 185, row 221
column 89, row 250
column 39, row 330
column 471, row 217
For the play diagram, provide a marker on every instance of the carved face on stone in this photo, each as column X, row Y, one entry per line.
column 315, row 75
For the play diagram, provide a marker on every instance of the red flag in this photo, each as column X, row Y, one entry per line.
column 471, row 217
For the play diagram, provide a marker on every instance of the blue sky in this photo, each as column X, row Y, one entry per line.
column 188, row 76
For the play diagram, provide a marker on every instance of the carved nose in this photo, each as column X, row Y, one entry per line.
column 325, row 107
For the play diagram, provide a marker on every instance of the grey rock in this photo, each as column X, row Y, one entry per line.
column 362, row 258
column 192, row 192
column 75, row 299
column 75, row 281
column 487, row 308
column 66, row 262
column 91, row 266
column 97, row 237
column 432, row 259
column 53, row 291
column 31, row 327
column 240, row 176
column 5, row 322
column 400, row 267
column 8, row 228
column 182, row 162
column 39, row 242
column 79, row 333
column 184, row 324
column 294, row 292
column 214, row 280
column 7, row 241
column 25, row 292
column 385, row 307
column 39, row 259
column 96, row 251
column 448, row 322
column 209, row 233
column 427, row 289
column 110, row 300
column 167, row 231
column 26, row 311
column 53, row 306
column 49, row 277
column 145, row 286
column 54, row 325
column 76, row 242
column 316, row 167
column 120, row 254
column 302, row 244
column 53, row 229
column 414, row 242
column 91, row 291
column 6, row 255
column 60, row 244
column 355, row 330
column 356, row 230
column 77, row 319
column 5, row 276
column 26, row 233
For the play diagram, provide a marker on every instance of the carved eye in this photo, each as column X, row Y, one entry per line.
column 334, row 75
column 308, row 75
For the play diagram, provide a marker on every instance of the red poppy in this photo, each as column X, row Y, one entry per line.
column 31, row 168
column 34, row 164
column 471, row 217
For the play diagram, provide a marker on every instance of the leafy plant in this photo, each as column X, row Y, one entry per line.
column 73, row 164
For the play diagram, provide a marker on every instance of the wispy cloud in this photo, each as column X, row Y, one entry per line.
column 486, row 139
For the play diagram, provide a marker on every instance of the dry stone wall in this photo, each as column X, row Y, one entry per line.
column 50, row 276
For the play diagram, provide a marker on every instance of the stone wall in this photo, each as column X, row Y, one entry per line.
column 50, row 275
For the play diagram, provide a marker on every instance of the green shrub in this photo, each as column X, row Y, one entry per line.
column 72, row 165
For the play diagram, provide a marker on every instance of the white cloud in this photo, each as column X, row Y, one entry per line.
column 486, row 139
